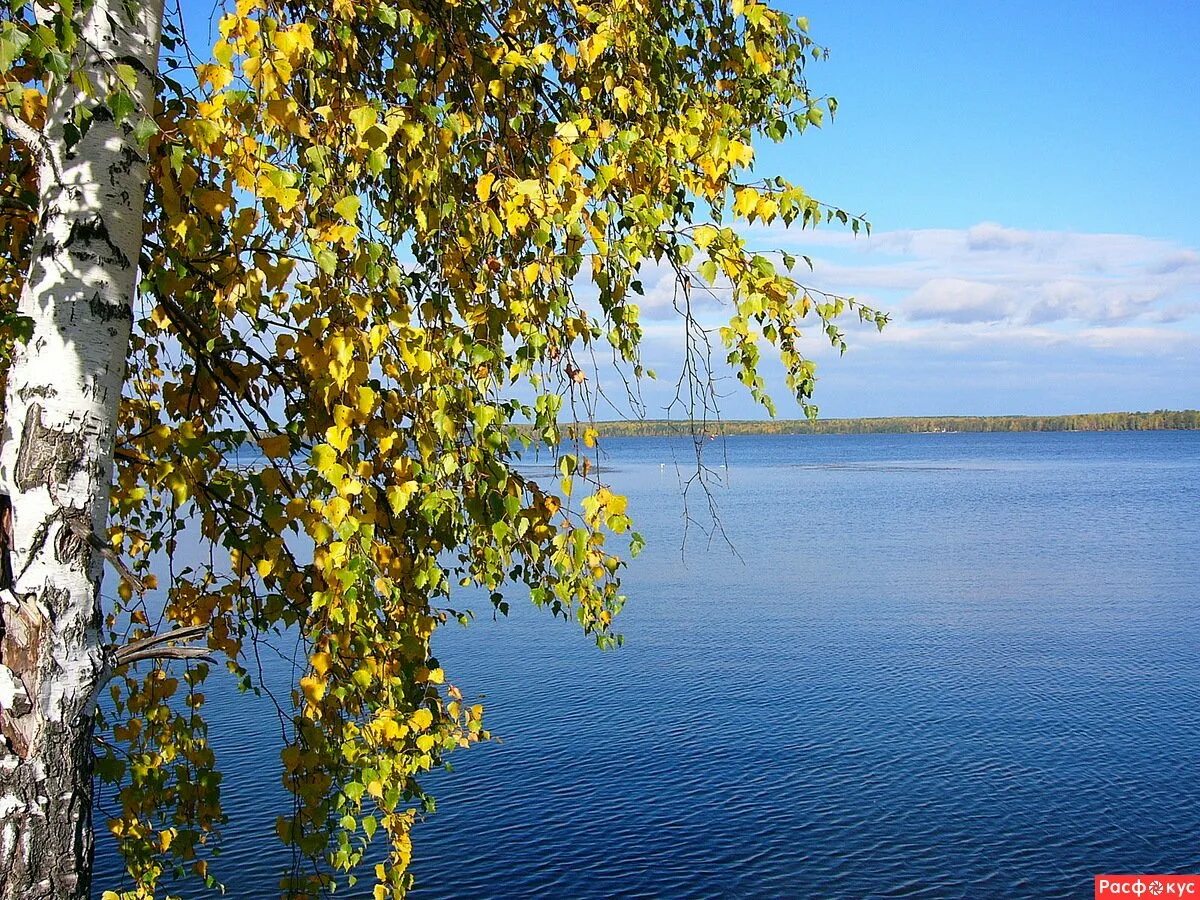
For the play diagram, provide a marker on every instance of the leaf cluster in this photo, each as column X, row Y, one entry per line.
column 383, row 240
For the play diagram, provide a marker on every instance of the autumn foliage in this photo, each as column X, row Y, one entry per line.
column 384, row 242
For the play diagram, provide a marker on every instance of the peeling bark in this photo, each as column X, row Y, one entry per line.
column 60, row 413
column 46, row 456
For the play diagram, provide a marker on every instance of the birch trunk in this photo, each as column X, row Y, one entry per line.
column 60, row 415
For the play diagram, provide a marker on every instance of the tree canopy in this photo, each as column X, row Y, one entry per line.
column 384, row 244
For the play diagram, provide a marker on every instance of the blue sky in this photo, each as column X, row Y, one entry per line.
column 1073, row 127
column 1030, row 170
column 1038, row 115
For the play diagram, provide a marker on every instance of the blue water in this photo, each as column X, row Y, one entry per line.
column 945, row 665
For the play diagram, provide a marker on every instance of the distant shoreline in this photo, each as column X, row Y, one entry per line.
column 1160, row 420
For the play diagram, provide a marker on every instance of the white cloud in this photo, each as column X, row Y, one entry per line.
column 985, row 319
column 958, row 300
column 991, row 273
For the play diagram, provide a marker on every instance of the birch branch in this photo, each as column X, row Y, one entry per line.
column 23, row 131
column 32, row 138
column 154, row 647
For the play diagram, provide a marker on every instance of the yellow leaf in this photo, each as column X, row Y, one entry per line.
column 363, row 117
column 313, row 688
column 739, row 153
column 348, row 207
column 212, row 203
column 291, row 757
column 341, row 364
column 421, row 719
column 483, row 188
column 295, row 40
column 399, row 495
column 217, row 76
column 323, row 457
column 320, row 663
column 338, row 436
column 336, row 510
column 704, row 235
column 390, row 729
column 276, row 446
column 745, row 201
column 178, row 487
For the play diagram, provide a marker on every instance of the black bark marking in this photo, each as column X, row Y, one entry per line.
column 47, row 456
column 71, row 545
column 88, row 232
column 116, row 173
column 37, row 543
column 105, row 311
column 6, row 546
column 39, row 390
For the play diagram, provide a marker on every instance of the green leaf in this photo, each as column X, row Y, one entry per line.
column 127, row 75
column 363, row 117
column 327, row 260
column 121, row 105
column 348, row 207
column 13, row 42
column 144, row 130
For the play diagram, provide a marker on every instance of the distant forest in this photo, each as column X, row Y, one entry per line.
column 1163, row 419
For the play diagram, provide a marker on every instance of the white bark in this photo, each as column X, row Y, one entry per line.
column 60, row 413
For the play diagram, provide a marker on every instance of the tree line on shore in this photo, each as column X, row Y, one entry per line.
column 1159, row 420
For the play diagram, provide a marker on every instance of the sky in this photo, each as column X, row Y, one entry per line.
column 1030, row 173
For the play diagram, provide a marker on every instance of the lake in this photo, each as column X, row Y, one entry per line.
column 942, row 665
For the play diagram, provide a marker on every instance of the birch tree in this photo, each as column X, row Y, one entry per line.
column 64, row 385
column 381, row 244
